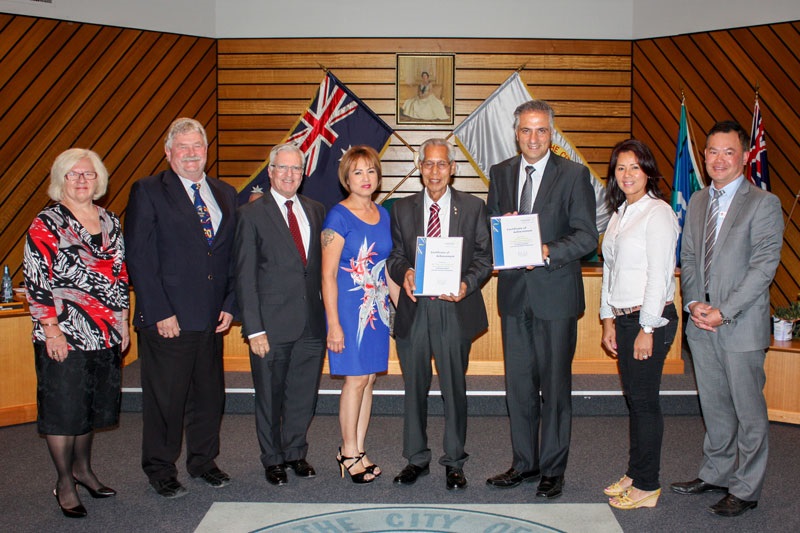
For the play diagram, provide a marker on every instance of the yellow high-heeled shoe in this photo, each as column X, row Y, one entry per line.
column 624, row 502
column 615, row 489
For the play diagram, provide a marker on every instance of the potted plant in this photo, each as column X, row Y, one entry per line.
column 786, row 321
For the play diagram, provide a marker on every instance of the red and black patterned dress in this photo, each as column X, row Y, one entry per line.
column 79, row 280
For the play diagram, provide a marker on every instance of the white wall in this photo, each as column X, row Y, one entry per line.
column 564, row 19
column 186, row 17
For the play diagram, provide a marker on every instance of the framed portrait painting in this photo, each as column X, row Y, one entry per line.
column 425, row 88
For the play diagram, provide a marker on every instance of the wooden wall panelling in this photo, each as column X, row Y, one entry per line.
column 718, row 71
column 264, row 85
column 64, row 84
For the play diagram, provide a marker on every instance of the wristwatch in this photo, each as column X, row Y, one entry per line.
column 648, row 330
column 725, row 321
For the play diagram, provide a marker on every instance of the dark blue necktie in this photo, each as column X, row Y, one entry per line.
column 202, row 212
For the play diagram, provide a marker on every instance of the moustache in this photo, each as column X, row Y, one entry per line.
column 191, row 159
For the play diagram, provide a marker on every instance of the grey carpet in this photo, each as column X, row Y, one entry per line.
column 598, row 457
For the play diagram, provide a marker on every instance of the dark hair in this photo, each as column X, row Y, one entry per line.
column 614, row 195
column 727, row 126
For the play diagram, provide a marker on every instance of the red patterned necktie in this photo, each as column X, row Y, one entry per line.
column 294, row 229
column 434, row 224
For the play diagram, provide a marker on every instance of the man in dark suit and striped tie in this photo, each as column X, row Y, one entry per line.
column 443, row 326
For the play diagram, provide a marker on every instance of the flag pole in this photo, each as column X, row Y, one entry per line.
column 691, row 132
column 791, row 211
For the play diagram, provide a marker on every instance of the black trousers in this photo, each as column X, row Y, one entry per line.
column 435, row 331
column 641, row 382
column 182, row 381
column 538, row 370
column 286, row 382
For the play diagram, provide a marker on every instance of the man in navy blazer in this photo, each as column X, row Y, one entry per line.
column 278, row 287
column 539, row 307
column 445, row 326
column 179, row 232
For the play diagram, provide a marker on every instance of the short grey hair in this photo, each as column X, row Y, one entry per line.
column 184, row 125
column 451, row 150
column 534, row 105
column 64, row 163
column 286, row 147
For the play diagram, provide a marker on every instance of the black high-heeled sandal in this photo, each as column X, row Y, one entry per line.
column 79, row 511
column 360, row 477
column 370, row 468
column 101, row 492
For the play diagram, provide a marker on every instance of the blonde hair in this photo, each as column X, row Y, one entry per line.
column 64, row 163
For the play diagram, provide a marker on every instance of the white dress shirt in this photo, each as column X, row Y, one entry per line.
column 536, row 177
column 639, row 260
column 299, row 214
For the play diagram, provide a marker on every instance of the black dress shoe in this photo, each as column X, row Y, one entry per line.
column 730, row 505
column 101, row 492
column 455, row 478
column 696, row 486
column 550, row 487
column 409, row 474
column 511, row 478
column 215, row 478
column 276, row 474
column 79, row 511
column 302, row 468
column 169, row 488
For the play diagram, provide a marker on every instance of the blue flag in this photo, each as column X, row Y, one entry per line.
column 335, row 120
column 687, row 178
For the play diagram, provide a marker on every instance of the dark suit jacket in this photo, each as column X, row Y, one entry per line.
column 746, row 254
column 565, row 204
column 276, row 294
column 467, row 220
column 174, row 272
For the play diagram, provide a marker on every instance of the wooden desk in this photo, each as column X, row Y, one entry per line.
column 782, row 367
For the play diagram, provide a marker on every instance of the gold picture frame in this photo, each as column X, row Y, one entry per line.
column 425, row 89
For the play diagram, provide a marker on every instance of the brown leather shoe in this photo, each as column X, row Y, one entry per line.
column 455, row 478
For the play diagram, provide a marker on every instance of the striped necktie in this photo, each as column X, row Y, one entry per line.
column 711, row 234
column 202, row 212
column 434, row 224
column 526, row 198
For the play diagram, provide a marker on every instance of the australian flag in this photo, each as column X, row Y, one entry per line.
column 757, row 170
column 335, row 120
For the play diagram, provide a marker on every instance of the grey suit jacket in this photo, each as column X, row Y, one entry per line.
column 467, row 220
column 565, row 203
column 746, row 255
column 276, row 294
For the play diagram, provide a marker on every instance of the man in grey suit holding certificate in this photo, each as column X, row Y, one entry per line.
column 731, row 248
column 443, row 326
column 539, row 307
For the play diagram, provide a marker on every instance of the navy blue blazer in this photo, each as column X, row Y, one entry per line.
column 173, row 269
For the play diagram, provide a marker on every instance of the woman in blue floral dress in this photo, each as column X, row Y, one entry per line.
column 356, row 240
